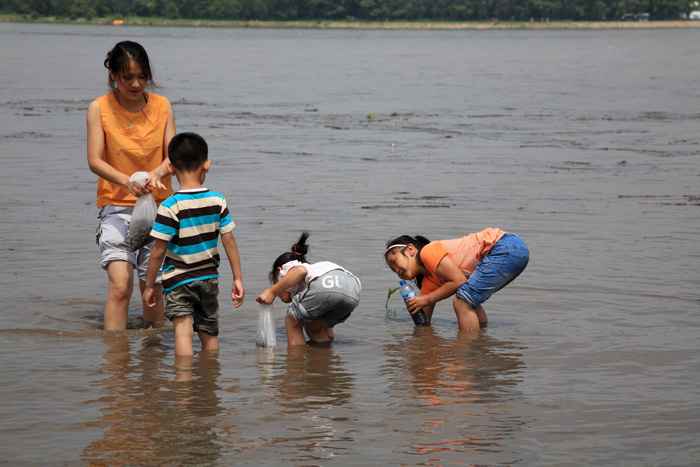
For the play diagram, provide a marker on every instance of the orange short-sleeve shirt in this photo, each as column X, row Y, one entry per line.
column 464, row 251
column 133, row 143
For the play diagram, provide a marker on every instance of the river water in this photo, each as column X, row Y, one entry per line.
column 585, row 143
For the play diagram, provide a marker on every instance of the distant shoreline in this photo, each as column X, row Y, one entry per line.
column 492, row 25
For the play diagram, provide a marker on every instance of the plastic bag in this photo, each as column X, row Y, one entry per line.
column 266, row 327
column 144, row 215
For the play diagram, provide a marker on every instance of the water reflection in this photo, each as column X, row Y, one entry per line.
column 154, row 414
column 311, row 378
column 466, row 383
column 309, row 385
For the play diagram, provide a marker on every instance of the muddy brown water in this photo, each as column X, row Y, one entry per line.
column 585, row 143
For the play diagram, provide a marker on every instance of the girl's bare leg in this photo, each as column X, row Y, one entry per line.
column 483, row 319
column 121, row 285
column 317, row 332
column 467, row 318
column 182, row 325
column 295, row 331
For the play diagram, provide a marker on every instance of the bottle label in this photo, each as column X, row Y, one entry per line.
column 408, row 295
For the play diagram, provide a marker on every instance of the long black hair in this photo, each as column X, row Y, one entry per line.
column 298, row 253
column 118, row 59
column 418, row 241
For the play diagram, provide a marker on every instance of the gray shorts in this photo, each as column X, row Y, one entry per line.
column 115, row 243
column 329, row 299
column 196, row 298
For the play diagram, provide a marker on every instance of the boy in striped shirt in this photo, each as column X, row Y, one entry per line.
column 186, row 230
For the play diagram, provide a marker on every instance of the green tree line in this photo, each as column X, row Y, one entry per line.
column 366, row 10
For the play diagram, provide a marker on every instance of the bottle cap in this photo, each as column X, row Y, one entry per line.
column 402, row 282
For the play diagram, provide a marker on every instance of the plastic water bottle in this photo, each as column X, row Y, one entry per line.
column 407, row 292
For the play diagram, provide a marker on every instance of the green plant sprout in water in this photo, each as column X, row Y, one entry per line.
column 388, row 296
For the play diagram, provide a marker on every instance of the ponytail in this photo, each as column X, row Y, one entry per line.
column 298, row 253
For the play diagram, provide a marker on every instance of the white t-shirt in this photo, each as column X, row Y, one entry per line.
column 312, row 272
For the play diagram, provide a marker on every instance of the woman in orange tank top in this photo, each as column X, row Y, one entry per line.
column 128, row 130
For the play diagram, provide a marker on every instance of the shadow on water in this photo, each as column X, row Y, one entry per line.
column 154, row 414
column 466, row 382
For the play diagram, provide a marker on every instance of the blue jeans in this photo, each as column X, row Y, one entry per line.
column 506, row 260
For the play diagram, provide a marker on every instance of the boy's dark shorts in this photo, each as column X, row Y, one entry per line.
column 199, row 299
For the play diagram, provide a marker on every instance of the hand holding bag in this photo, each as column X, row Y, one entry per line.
column 144, row 215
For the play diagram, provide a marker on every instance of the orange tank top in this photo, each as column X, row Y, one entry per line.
column 133, row 143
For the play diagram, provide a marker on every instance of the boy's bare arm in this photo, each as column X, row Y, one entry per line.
column 237, row 290
column 154, row 263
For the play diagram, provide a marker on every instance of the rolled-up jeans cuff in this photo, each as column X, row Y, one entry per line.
column 463, row 294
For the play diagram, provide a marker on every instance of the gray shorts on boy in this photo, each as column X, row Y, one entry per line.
column 330, row 299
column 197, row 298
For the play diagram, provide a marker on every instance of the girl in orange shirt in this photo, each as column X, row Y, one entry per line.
column 471, row 268
column 128, row 131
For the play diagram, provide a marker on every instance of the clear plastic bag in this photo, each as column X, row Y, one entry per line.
column 144, row 215
column 266, row 327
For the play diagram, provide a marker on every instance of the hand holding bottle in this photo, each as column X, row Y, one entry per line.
column 407, row 292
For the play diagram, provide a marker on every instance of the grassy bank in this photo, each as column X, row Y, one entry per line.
column 140, row 21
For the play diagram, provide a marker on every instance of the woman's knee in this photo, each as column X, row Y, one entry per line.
column 120, row 291
column 121, row 280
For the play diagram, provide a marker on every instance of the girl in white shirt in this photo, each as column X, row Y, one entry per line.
column 320, row 295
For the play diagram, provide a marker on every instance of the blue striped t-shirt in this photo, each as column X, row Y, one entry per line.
column 191, row 221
